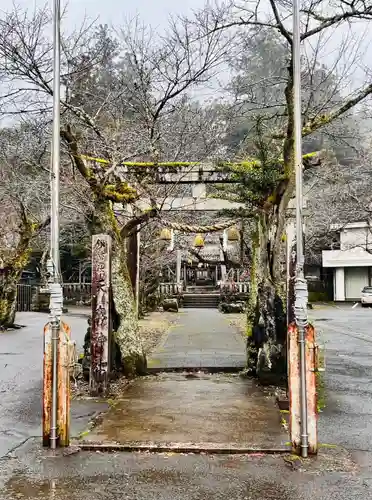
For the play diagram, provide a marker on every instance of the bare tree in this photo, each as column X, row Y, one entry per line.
column 267, row 174
column 122, row 90
column 338, row 195
column 23, row 214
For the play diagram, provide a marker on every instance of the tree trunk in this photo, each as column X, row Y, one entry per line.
column 9, row 278
column 254, row 326
column 125, row 325
column 8, row 299
column 266, row 335
column 267, row 312
column 125, row 321
column 271, row 357
column 132, row 249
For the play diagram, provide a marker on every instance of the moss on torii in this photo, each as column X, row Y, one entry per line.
column 243, row 165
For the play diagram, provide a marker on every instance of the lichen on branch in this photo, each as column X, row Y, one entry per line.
column 120, row 192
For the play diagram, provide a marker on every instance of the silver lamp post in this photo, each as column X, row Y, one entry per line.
column 301, row 291
column 55, row 287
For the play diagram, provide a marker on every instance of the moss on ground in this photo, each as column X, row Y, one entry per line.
column 320, row 389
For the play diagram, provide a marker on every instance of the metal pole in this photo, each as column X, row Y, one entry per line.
column 56, row 140
column 301, row 284
column 54, row 264
column 138, row 262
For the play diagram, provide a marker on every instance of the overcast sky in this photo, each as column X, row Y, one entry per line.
column 155, row 13
column 109, row 11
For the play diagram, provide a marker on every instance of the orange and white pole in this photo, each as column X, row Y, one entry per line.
column 55, row 386
column 61, row 433
column 294, row 383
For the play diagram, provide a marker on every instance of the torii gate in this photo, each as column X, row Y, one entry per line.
column 197, row 175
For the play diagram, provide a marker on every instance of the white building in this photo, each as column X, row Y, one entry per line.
column 352, row 263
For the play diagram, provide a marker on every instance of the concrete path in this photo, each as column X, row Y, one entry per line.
column 184, row 409
column 202, row 338
column 187, row 411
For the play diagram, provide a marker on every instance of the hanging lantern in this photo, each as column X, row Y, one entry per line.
column 165, row 234
column 232, row 234
column 199, row 241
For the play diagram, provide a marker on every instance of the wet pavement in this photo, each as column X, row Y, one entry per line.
column 337, row 474
column 21, row 358
column 207, row 411
column 32, row 474
column 202, row 338
column 347, row 417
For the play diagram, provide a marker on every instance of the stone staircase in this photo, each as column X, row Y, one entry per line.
column 201, row 300
column 202, row 289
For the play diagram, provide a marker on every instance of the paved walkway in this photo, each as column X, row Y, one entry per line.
column 202, row 338
column 206, row 410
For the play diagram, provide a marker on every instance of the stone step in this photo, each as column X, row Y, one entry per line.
column 197, row 295
column 215, row 302
column 202, row 289
column 203, row 301
column 202, row 294
column 200, row 306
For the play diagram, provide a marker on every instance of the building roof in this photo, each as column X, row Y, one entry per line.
column 354, row 257
column 350, row 225
column 211, row 252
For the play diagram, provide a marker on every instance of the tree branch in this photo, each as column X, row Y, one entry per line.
column 137, row 220
column 327, row 22
column 316, row 123
column 323, row 120
column 42, row 225
column 281, row 27
column 73, row 150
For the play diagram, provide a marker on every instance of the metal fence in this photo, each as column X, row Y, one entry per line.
column 73, row 293
column 24, row 297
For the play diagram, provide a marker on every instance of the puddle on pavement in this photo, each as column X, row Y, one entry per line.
column 227, row 477
column 22, row 487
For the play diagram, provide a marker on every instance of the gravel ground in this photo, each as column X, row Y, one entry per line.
column 154, row 327
column 238, row 321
